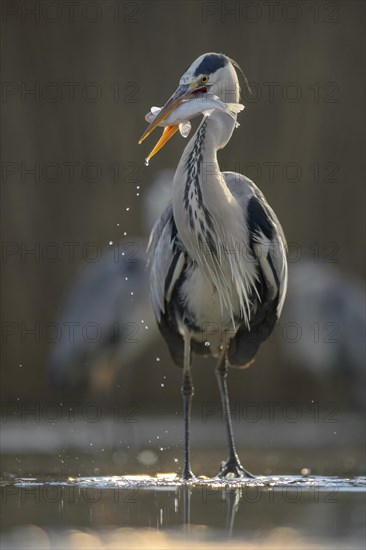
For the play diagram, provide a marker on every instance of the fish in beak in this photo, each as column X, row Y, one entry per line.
column 181, row 93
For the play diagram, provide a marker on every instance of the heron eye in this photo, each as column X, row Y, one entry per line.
column 204, row 79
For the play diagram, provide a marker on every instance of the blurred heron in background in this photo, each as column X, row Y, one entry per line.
column 327, row 311
column 102, row 312
column 218, row 271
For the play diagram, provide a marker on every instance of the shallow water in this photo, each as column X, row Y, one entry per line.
column 162, row 511
column 59, row 487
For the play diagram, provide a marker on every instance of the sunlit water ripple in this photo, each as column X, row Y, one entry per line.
column 171, row 481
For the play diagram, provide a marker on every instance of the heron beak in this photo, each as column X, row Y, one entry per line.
column 182, row 92
column 168, row 132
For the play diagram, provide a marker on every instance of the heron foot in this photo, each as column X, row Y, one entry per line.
column 233, row 468
column 187, row 474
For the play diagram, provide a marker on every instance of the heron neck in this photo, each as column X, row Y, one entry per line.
column 213, row 134
column 220, row 127
column 200, row 194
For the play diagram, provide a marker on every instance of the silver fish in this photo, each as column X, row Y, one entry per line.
column 191, row 108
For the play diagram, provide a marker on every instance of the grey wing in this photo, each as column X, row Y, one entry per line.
column 167, row 262
column 165, row 259
column 268, row 246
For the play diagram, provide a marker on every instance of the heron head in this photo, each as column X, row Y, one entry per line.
column 212, row 74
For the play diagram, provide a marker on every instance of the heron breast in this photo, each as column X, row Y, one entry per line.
column 203, row 302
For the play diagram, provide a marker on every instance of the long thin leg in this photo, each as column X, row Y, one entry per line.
column 187, row 393
column 232, row 465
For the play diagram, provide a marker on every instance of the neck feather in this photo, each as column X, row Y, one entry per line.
column 198, row 180
column 201, row 198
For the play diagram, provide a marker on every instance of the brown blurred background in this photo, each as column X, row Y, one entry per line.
column 96, row 69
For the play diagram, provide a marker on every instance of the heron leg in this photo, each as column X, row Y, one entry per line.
column 187, row 394
column 232, row 465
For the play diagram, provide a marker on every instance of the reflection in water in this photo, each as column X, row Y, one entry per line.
column 187, row 493
column 233, row 500
column 161, row 512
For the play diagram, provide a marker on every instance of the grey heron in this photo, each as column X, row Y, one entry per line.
column 218, row 269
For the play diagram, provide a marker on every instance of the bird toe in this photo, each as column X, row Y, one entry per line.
column 233, row 469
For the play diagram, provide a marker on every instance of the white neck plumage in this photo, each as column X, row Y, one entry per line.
column 200, row 192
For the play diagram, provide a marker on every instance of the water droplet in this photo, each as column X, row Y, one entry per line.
column 207, row 344
column 131, row 293
column 162, row 385
column 110, row 243
column 176, row 460
column 237, row 124
column 137, row 187
column 147, row 162
column 158, row 359
column 125, row 233
column 127, row 209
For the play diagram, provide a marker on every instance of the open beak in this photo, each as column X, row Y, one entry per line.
column 168, row 132
column 181, row 93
